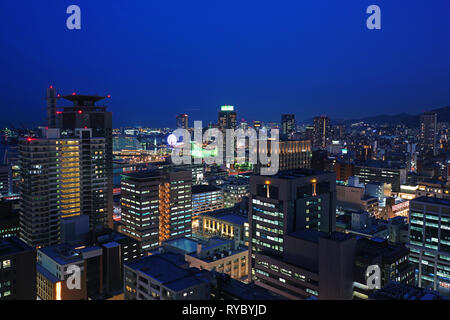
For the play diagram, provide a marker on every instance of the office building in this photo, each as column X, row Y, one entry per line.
column 281, row 205
column 429, row 234
column 234, row 190
column 84, row 113
column 165, row 276
column 51, row 98
column 257, row 125
column 99, row 265
column 227, row 118
column 54, row 265
column 157, row 205
column 226, row 223
column 9, row 218
column 140, row 196
column 182, row 121
column 381, row 171
column 392, row 260
column 428, row 132
column 5, row 180
column 175, row 204
column 292, row 154
column 343, row 170
column 222, row 255
column 321, row 132
column 17, row 270
column 62, row 178
column 353, row 199
column 314, row 264
column 287, row 125
column 205, row 198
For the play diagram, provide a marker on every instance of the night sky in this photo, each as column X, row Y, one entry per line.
column 161, row 58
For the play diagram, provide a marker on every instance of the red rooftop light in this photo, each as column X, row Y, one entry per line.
column 74, row 93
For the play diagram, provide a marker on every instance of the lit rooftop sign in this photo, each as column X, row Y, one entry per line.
column 227, row 108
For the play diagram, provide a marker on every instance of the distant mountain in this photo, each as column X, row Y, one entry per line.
column 443, row 115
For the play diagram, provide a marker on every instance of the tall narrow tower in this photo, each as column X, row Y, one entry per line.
column 51, row 98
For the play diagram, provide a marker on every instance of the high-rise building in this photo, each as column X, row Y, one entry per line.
column 429, row 242
column 227, row 118
column 62, row 178
column 257, row 125
column 51, row 106
column 157, row 205
column 289, row 201
column 140, row 207
column 5, row 180
column 292, row 154
column 84, row 113
column 287, row 125
column 17, row 270
column 175, row 204
column 281, row 207
column 428, row 132
column 182, row 121
column 321, row 132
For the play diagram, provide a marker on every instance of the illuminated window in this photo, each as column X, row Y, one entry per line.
column 6, row 264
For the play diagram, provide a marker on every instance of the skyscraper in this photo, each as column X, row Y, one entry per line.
column 84, row 113
column 294, row 249
column 257, row 125
column 321, row 132
column 62, row 178
column 287, row 125
column 140, row 207
column 429, row 242
column 157, row 205
column 51, row 107
column 227, row 118
column 428, row 132
column 182, row 121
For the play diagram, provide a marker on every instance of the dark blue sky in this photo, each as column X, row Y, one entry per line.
column 160, row 58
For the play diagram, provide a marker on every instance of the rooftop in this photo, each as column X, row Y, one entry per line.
column 432, row 200
column 167, row 268
column 397, row 291
column 145, row 174
column 229, row 215
column 314, row 236
column 204, row 188
column 298, row 173
column 186, row 244
column 381, row 164
column 13, row 245
column 64, row 254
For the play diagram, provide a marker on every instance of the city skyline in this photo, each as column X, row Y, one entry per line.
column 200, row 56
column 225, row 152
